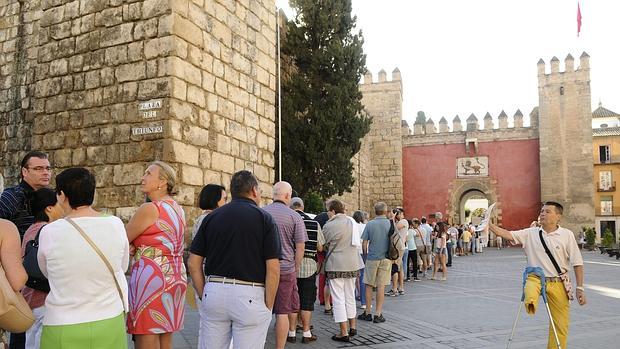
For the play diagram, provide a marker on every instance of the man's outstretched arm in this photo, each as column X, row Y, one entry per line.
column 503, row 233
column 581, row 296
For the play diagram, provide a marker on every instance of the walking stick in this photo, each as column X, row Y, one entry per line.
column 543, row 292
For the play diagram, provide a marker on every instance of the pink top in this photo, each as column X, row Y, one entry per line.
column 35, row 298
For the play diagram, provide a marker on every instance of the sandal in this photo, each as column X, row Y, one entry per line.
column 341, row 338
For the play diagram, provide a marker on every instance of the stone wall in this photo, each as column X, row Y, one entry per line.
column 359, row 197
column 565, row 126
column 383, row 176
column 222, row 97
column 113, row 85
column 18, row 63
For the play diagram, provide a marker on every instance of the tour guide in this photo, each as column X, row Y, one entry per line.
column 562, row 244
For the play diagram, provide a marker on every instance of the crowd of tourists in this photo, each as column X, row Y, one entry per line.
column 246, row 263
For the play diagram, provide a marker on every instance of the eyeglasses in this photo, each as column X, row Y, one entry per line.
column 40, row 168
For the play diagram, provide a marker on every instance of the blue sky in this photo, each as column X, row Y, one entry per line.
column 459, row 57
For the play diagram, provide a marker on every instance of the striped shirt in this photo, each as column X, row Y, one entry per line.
column 315, row 236
column 292, row 231
column 14, row 206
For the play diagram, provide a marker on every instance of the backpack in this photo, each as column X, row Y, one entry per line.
column 36, row 279
column 393, row 238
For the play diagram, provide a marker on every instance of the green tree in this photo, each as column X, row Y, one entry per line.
column 313, row 203
column 420, row 119
column 608, row 238
column 590, row 237
column 323, row 119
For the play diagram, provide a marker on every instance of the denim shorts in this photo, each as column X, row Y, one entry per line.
column 441, row 250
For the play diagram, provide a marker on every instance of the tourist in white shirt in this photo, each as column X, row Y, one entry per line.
column 566, row 253
column 84, row 305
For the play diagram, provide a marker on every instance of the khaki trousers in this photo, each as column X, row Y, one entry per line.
column 558, row 304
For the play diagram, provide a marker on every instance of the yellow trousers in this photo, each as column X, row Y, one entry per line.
column 558, row 304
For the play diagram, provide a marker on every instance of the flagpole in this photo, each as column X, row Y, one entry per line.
column 279, row 99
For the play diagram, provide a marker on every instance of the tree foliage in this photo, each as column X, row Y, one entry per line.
column 313, row 203
column 590, row 236
column 323, row 119
column 420, row 119
column 608, row 238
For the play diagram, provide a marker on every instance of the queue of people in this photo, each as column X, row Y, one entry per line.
column 84, row 254
column 246, row 263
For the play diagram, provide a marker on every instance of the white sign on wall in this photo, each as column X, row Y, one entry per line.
column 148, row 109
column 152, row 104
column 146, row 130
column 476, row 166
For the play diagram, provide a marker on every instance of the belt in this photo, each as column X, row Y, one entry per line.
column 553, row 279
column 231, row 281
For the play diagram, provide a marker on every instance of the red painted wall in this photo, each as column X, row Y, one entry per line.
column 428, row 171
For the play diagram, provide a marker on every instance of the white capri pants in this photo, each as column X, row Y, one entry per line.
column 33, row 335
column 343, row 298
column 236, row 312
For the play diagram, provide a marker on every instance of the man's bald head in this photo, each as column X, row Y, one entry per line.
column 282, row 191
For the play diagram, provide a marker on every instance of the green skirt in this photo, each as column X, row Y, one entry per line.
column 102, row 334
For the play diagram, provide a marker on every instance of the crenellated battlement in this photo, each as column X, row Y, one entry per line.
column 382, row 77
column 582, row 72
column 382, row 85
column 473, row 125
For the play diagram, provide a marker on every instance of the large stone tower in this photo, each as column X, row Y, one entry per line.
column 565, row 130
column 383, row 100
column 113, row 85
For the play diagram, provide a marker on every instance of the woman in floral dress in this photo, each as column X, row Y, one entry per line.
column 158, row 278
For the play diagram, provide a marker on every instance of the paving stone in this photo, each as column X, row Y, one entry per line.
column 475, row 308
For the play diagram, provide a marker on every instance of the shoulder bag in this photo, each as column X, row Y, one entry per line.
column 392, row 253
column 102, row 256
column 424, row 251
column 36, row 279
column 15, row 314
column 564, row 276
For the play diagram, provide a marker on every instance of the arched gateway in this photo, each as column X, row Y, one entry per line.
column 469, row 189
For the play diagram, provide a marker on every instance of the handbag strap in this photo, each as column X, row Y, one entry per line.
column 101, row 255
column 555, row 264
column 421, row 236
column 36, row 237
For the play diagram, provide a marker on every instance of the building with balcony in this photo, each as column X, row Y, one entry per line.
column 606, row 156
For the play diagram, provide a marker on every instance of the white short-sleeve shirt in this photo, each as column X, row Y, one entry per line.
column 561, row 242
column 81, row 286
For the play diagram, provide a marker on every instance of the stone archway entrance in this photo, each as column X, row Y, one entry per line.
column 462, row 190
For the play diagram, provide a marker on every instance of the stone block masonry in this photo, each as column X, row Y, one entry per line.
column 565, row 125
column 112, row 85
column 383, row 102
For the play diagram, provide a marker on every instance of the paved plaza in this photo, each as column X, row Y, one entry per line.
column 475, row 308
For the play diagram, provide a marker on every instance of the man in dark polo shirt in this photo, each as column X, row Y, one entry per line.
column 14, row 201
column 239, row 244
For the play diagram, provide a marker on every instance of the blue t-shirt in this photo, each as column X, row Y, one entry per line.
column 376, row 232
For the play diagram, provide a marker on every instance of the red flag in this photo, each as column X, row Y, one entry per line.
column 578, row 19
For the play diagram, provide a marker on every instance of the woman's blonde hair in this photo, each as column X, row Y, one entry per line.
column 169, row 174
